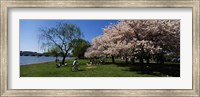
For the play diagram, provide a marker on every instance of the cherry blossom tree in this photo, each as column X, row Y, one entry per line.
column 138, row 38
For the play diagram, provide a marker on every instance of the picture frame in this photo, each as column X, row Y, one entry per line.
column 7, row 4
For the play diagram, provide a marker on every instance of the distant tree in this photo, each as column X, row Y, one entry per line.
column 55, row 51
column 59, row 36
column 79, row 47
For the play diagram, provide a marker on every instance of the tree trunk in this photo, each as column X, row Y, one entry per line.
column 162, row 59
column 113, row 60
column 103, row 61
column 126, row 60
column 142, row 64
column 157, row 60
column 141, row 60
column 148, row 58
column 141, row 56
column 63, row 61
column 56, row 59
column 132, row 60
column 90, row 59
column 79, row 56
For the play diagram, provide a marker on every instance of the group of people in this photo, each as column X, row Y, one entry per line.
column 58, row 65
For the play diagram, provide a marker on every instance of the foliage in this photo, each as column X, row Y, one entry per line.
column 137, row 38
column 59, row 36
column 55, row 51
column 79, row 47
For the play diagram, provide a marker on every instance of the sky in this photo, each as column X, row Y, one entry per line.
column 29, row 30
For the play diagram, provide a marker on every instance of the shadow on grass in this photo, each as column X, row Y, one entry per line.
column 81, row 70
column 167, row 69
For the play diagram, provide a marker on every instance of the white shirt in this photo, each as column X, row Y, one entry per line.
column 75, row 62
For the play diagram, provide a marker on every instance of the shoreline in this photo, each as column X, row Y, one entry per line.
column 40, row 61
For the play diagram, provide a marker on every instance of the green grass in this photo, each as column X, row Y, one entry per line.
column 119, row 69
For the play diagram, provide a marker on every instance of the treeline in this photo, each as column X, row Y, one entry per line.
column 30, row 53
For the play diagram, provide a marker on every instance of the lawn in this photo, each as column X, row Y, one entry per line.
column 119, row 69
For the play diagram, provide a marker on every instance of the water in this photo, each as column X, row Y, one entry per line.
column 26, row 60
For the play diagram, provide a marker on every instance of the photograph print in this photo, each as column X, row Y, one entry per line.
column 100, row 48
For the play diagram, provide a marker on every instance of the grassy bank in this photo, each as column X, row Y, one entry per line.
column 119, row 69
